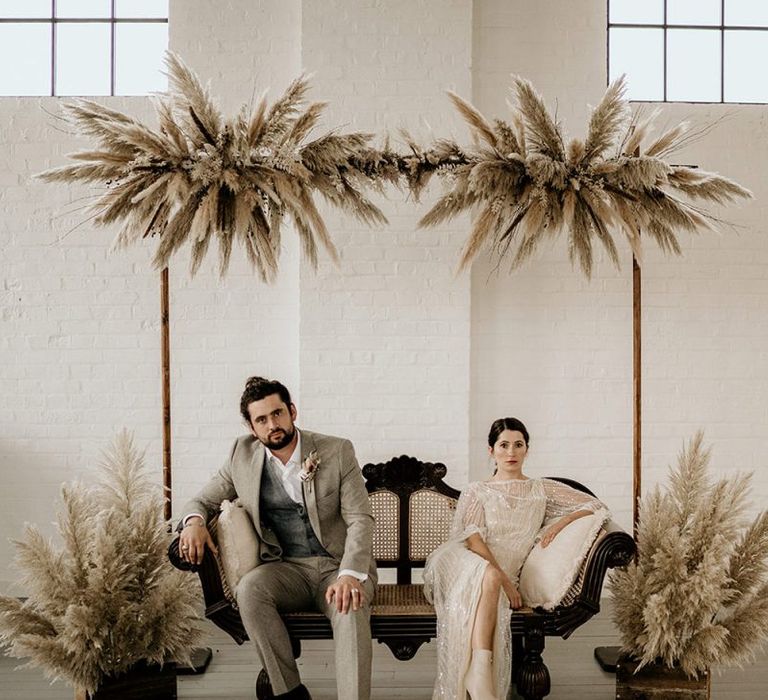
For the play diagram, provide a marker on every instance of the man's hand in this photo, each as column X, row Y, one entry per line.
column 347, row 592
column 193, row 539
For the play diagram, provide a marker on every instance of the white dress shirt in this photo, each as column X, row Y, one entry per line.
column 290, row 472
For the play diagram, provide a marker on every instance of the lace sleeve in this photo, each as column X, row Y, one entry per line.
column 562, row 500
column 470, row 515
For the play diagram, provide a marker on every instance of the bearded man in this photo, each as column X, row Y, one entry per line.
column 307, row 499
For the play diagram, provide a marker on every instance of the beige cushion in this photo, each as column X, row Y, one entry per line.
column 549, row 572
column 237, row 541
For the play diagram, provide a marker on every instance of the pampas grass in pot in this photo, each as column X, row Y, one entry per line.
column 697, row 596
column 105, row 599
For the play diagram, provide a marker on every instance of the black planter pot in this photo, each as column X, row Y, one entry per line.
column 141, row 682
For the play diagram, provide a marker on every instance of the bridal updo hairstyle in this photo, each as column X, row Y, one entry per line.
column 502, row 424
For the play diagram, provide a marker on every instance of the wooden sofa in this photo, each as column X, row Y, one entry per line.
column 413, row 508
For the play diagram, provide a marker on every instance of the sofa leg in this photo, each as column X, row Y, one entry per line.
column 533, row 677
column 517, row 657
column 263, row 686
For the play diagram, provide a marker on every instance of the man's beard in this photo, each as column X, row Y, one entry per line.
column 281, row 439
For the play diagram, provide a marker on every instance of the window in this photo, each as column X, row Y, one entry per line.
column 82, row 47
column 690, row 50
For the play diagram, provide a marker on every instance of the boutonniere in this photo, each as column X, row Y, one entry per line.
column 310, row 466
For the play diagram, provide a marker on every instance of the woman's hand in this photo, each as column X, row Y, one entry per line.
column 515, row 599
column 552, row 532
column 561, row 524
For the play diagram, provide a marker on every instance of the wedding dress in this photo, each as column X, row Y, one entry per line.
column 508, row 515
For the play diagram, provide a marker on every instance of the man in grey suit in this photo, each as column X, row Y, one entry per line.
column 307, row 499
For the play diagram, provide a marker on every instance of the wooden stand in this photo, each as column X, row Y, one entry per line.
column 658, row 682
column 165, row 350
column 607, row 657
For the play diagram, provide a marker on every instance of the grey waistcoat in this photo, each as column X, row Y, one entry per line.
column 286, row 518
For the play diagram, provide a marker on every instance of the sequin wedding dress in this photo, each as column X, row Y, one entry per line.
column 508, row 515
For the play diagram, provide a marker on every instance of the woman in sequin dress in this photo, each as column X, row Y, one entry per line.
column 472, row 578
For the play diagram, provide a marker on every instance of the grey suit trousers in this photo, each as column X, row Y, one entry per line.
column 295, row 585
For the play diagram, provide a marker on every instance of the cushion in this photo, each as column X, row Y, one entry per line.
column 237, row 541
column 549, row 572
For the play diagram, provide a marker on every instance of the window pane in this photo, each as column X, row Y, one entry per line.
column 634, row 12
column 26, row 47
column 139, row 51
column 82, row 59
column 693, row 11
column 640, row 54
column 28, row 9
column 141, row 8
column 744, row 51
column 693, row 65
column 83, row 9
column 746, row 13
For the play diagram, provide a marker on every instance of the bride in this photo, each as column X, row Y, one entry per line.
column 497, row 522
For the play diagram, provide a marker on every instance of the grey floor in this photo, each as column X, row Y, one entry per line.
column 231, row 675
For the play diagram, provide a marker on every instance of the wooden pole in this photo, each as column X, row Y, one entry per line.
column 165, row 349
column 200, row 656
column 637, row 392
column 608, row 657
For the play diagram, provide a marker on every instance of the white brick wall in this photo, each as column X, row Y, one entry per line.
column 80, row 347
column 389, row 348
column 549, row 347
column 385, row 337
column 226, row 330
column 556, row 349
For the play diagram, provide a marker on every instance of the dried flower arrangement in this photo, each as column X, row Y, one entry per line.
column 698, row 594
column 201, row 176
column 527, row 185
column 107, row 598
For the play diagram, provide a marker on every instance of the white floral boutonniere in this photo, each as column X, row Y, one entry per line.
column 310, row 466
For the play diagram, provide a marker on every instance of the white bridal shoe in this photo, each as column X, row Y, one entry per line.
column 479, row 678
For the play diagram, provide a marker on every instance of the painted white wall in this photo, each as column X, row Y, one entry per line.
column 390, row 348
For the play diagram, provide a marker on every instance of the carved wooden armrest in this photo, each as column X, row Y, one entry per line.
column 614, row 548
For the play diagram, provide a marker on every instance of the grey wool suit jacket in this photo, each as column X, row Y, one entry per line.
column 336, row 499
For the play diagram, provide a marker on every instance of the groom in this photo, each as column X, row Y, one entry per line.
column 307, row 500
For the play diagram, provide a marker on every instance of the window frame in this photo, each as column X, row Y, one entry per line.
column 54, row 21
column 665, row 26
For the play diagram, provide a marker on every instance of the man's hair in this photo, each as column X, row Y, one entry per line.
column 257, row 388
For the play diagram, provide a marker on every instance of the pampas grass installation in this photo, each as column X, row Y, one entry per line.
column 698, row 594
column 106, row 597
column 527, row 185
column 200, row 177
